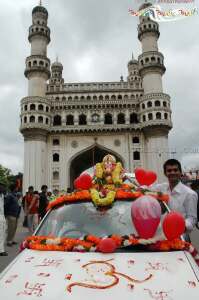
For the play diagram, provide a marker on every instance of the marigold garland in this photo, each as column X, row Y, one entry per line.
column 120, row 194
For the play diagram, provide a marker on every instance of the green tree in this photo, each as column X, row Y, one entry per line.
column 6, row 176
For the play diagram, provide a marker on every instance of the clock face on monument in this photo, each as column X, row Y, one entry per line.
column 95, row 118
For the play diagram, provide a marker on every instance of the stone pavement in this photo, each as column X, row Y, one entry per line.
column 14, row 250
column 23, row 232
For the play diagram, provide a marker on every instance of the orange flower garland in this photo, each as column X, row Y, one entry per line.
column 121, row 194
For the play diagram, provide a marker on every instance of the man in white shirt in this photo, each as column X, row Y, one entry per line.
column 182, row 198
column 2, row 222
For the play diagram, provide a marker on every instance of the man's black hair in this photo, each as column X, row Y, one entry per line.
column 172, row 162
column 44, row 186
column 31, row 188
column 12, row 187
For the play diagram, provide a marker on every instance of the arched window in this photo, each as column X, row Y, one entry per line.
column 157, row 103
column 32, row 119
column 150, row 116
column 41, row 63
column 32, row 106
column 55, row 157
column 94, row 97
column 135, row 140
column 26, row 107
column 136, row 155
column 57, row 120
column 40, row 119
column 119, row 97
column 47, row 109
column 166, row 116
column 70, row 98
column 40, row 107
column 82, row 97
column 108, row 119
column 143, row 106
column 133, row 118
column 149, row 104
column 107, row 97
column 158, row 115
column 113, row 97
column 25, row 120
column 100, row 97
column 47, row 121
column 69, row 120
column 55, row 175
column 121, row 118
column 144, row 118
column 82, row 119
column 55, row 142
column 88, row 98
column 164, row 104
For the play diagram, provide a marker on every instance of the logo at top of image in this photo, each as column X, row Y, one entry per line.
column 155, row 13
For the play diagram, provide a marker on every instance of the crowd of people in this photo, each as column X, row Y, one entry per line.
column 183, row 198
column 34, row 205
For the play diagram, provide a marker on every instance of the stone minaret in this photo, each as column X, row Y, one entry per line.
column 35, row 109
column 155, row 105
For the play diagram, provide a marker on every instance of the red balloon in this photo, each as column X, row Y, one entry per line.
column 83, row 182
column 145, row 177
column 139, row 175
column 150, row 177
column 76, row 183
column 107, row 245
column 173, row 225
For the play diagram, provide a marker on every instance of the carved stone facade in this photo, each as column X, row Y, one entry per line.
column 63, row 122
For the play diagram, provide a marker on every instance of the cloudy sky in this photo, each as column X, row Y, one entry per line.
column 94, row 40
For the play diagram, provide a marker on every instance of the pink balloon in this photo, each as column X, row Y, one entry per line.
column 146, row 214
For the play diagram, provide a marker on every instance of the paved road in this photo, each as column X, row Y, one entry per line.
column 14, row 250
column 22, row 233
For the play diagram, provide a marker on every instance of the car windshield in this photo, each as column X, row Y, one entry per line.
column 80, row 219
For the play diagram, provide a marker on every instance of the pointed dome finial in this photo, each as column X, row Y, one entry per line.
column 132, row 56
column 40, row 2
column 57, row 58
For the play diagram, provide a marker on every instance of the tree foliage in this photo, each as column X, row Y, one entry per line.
column 7, row 178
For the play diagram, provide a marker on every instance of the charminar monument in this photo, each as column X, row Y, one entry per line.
column 68, row 127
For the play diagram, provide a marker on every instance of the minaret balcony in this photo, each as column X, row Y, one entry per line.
column 148, row 27
column 151, row 61
column 37, row 63
column 167, row 124
column 39, row 30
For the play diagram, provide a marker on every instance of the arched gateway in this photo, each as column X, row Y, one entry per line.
column 87, row 158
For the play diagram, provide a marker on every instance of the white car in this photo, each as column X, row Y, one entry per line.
column 128, row 273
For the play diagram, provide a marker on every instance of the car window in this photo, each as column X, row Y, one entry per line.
column 77, row 220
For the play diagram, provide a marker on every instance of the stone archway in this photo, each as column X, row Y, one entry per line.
column 87, row 159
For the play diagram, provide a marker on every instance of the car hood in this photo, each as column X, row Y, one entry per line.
column 72, row 275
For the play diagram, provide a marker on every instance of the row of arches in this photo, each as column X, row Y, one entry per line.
column 156, row 103
column 155, row 116
column 36, row 29
column 97, row 106
column 98, row 97
column 108, row 119
column 38, row 119
column 37, row 63
column 152, row 59
column 34, row 107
